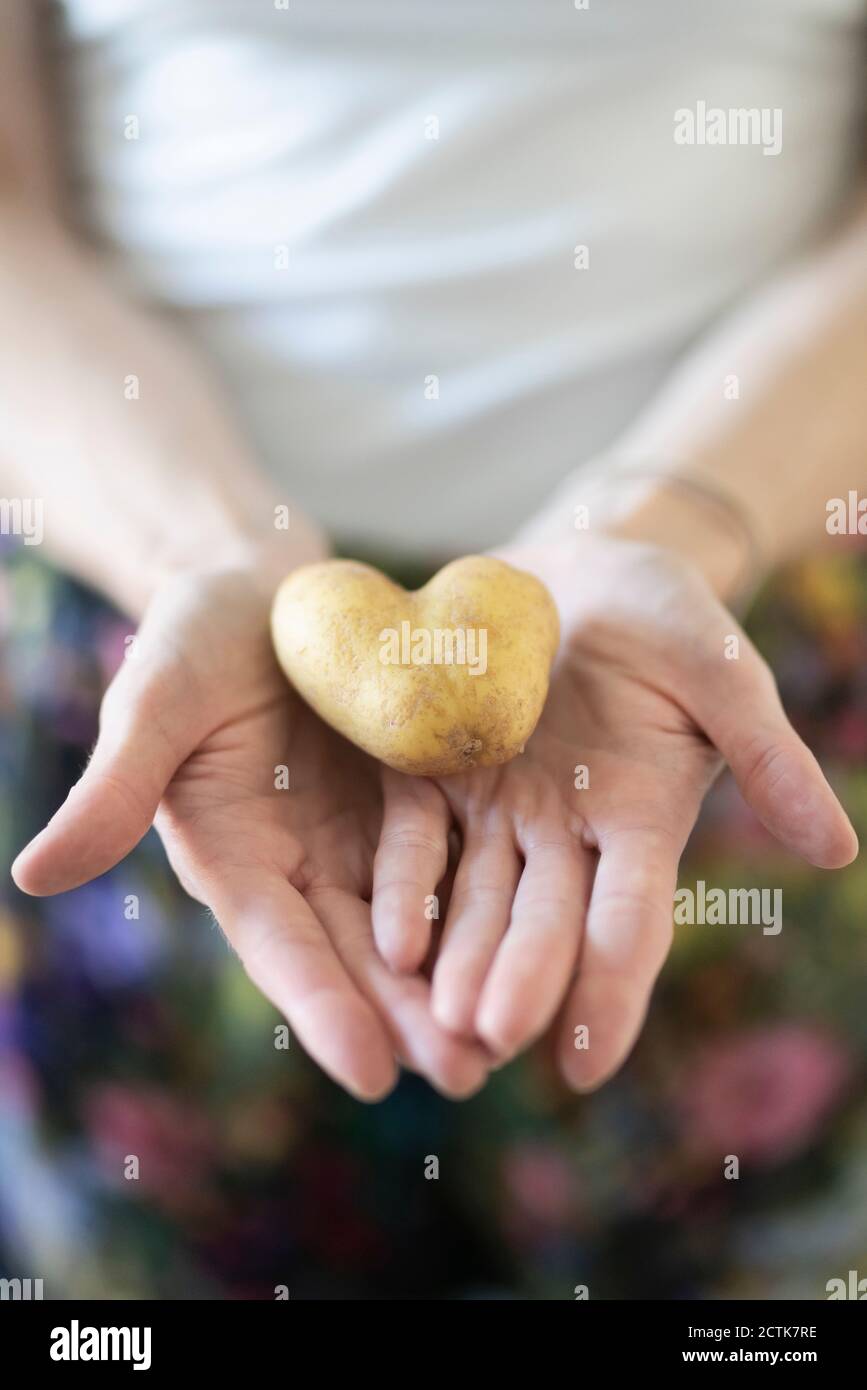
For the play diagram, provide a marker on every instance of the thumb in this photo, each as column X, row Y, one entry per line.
column 141, row 743
column 777, row 774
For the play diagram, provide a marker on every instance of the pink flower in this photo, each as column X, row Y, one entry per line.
column 539, row 1181
column 762, row 1095
column 171, row 1141
column 850, row 734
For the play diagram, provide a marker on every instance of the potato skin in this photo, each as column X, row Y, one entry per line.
column 328, row 622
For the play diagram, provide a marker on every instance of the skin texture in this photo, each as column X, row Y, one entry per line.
column 561, row 904
column 560, row 910
column 192, row 729
column 432, row 719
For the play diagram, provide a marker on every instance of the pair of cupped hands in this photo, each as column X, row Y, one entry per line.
column 554, row 900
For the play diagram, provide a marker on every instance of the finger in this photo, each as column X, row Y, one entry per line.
column 410, row 861
column 453, row 1065
column 288, row 956
column 142, row 740
column 536, row 959
column 741, row 713
column 478, row 914
column 626, row 939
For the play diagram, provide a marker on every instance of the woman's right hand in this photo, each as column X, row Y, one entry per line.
column 194, row 731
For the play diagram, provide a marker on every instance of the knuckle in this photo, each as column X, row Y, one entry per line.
column 481, row 894
column 421, row 841
column 764, row 766
column 133, row 799
column 257, row 944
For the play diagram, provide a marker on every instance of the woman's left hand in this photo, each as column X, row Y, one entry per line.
column 565, row 880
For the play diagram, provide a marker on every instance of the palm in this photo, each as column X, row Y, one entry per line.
column 615, row 766
column 622, row 752
column 268, row 817
column 569, row 854
column 273, row 789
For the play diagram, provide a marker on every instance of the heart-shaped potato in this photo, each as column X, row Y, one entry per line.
column 446, row 678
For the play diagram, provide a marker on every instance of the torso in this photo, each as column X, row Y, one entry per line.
column 367, row 214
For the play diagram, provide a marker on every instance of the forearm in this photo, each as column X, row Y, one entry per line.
column 770, row 413
column 111, row 423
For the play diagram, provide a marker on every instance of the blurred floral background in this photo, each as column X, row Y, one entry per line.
column 121, row 1036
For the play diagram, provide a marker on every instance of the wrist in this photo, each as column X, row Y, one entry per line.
column 262, row 557
column 678, row 513
column 586, row 571
column 695, row 526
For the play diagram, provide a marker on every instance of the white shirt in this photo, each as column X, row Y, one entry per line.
column 366, row 212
